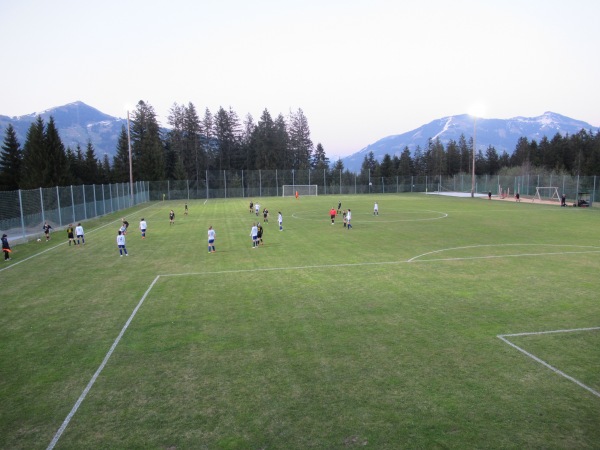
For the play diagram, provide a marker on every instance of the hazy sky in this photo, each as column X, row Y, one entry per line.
column 359, row 69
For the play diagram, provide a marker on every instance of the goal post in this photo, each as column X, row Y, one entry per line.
column 546, row 193
column 289, row 190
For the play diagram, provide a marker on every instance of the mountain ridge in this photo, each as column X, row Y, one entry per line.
column 79, row 123
column 502, row 134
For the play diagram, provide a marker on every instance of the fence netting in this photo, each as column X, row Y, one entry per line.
column 23, row 212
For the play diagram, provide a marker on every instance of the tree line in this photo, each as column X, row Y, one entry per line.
column 222, row 141
column 576, row 154
column 193, row 145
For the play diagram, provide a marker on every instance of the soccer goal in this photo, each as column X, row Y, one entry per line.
column 289, row 190
column 546, row 193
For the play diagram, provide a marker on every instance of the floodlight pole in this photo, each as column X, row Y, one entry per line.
column 473, row 164
column 130, row 161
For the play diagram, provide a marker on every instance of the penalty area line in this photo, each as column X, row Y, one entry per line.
column 503, row 337
column 100, row 368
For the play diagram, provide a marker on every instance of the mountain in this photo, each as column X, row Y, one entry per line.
column 502, row 134
column 77, row 124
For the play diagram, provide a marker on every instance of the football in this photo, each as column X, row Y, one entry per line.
column 39, row 240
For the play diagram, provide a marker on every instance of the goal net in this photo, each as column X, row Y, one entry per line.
column 546, row 193
column 289, row 190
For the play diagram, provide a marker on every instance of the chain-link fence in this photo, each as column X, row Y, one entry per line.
column 265, row 183
column 22, row 213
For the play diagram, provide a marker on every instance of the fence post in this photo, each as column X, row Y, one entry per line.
column 72, row 205
column 260, row 183
column 22, row 217
column 95, row 203
column 243, row 192
column 225, row 184
column 84, row 202
column 207, row 184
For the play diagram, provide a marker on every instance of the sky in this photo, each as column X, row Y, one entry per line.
column 360, row 70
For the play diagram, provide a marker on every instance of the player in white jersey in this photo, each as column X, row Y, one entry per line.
column 254, row 235
column 143, row 227
column 121, row 244
column 280, row 220
column 211, row 240
column 79, row 233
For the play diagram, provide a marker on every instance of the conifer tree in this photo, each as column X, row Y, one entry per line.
column 146, row 143
column 193, row 158
column 405, row 165
column 301, row 146
column 55, row 156
column 34, row 170
column 92, row 165
column 11, row 159
column 319, row 158
column 120, row 170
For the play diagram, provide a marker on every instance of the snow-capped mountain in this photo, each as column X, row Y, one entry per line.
column 502, row 134
column 77, row 124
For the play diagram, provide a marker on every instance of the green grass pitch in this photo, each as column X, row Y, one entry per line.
column 384, row 336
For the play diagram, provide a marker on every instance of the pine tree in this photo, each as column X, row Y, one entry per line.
column 56, row 157
column 34, row 170
column 11, row 159
column 263, row 141
column 208, row 141
column 319, row 158
column 301, row 146
column 386, row 168
column 194, row 156
column 406, row 166
column 92, row 165
column 120, row 171
column 146, row 143
column 246, row 142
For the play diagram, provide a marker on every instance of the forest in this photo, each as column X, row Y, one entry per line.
column 195, row 144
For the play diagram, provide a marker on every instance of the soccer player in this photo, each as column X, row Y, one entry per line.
column 70, row 234
column 143, row 227
column 265, row 215
column 79, row 233
column 6, row 247
column 259, row 235
column 348, row 218
column 121, row 243
column 376, row 209
column 256, row 209
column 332, row 215
column 125, row 226
column 254, row 235
column 345, row 218
column 211, row 240
column 251, row 206
column 47, row 227
column 339, row 210
column 280, row 220
column 171, row 217
column 185, row 211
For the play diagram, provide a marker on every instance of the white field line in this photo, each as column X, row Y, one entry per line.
column 544, row 363
column 272, row 269
column 95, row 376
column 504, row 245
column 62, row 243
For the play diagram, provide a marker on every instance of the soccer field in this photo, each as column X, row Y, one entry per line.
column 440, row 323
